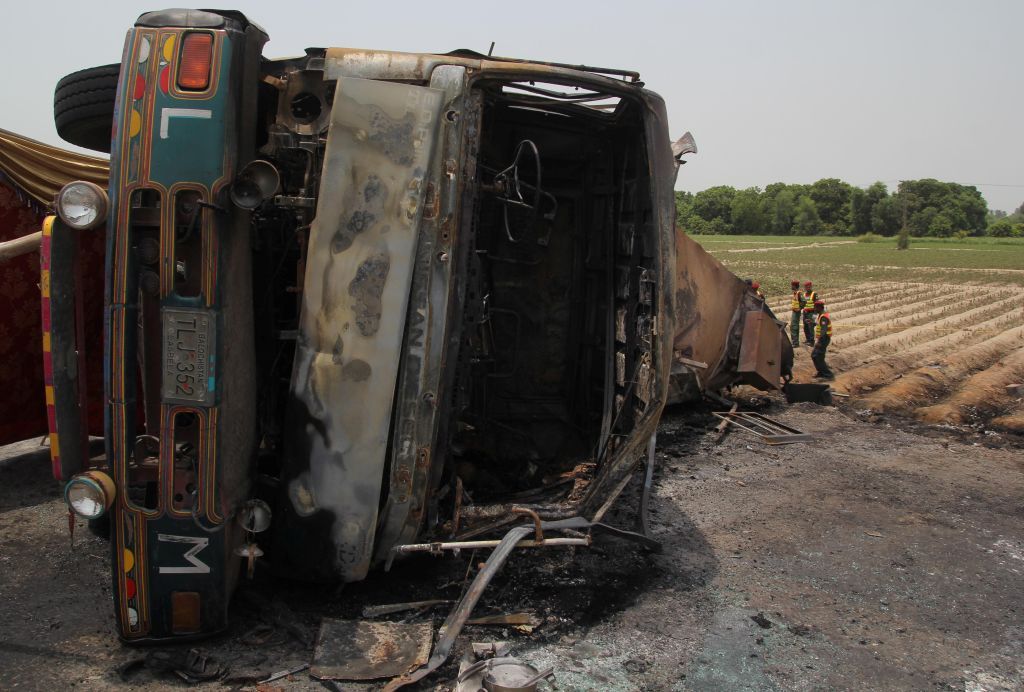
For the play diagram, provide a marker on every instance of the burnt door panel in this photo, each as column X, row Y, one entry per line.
column 362, row 249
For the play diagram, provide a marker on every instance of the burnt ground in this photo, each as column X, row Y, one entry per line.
column 873, row 558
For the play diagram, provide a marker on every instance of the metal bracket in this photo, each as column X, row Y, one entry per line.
column 770, row 431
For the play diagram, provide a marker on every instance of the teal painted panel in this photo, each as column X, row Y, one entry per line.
column 189, row 135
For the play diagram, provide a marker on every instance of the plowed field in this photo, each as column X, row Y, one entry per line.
column 941, row 353
column 937, row 343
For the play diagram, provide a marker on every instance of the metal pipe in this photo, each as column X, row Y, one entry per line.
column 725, row 421
column 525, row 511
column 9, row 249
column 759, row 433
column 648, row 482
column 475, row 545
column 456, row 620
column 458, row 506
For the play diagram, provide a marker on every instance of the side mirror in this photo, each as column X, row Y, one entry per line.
column 683, row 145
column 255, row 184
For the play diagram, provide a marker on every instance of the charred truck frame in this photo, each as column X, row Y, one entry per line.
column 395, row 301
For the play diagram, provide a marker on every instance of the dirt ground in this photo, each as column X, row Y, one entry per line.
column 880, row 556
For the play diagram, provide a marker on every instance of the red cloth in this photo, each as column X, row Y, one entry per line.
column 22, row 397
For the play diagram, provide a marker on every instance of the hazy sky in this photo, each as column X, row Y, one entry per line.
column 793, row 91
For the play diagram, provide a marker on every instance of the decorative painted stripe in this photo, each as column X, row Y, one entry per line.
column 45, row 248
column 131, row 575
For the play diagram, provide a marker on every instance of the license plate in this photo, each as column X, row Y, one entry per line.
column 189, row 352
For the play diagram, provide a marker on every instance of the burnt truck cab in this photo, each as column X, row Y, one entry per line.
column 383, row 298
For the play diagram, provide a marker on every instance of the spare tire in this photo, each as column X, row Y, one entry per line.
column 83, row 107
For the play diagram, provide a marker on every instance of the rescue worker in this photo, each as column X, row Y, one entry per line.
column 822, row 338
column 810, row 296
column 797, row 306
column 757, row 289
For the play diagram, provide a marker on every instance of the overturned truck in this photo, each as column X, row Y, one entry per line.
column 364, row 303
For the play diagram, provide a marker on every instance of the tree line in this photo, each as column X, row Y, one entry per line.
column 831, row 206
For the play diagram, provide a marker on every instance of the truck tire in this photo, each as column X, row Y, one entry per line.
column 83, row 107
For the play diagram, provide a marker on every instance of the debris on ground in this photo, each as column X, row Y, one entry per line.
column 192, row 666
column 615, row 616
column 422, row 606
column 368, row 650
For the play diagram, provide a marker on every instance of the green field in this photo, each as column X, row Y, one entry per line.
column 834, row 262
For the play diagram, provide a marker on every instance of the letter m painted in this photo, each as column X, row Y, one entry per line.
column 197, row 566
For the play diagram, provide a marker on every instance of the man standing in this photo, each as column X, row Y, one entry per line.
column 797, row 306
column 822, row 338
column 756, row 287
column 810, row 296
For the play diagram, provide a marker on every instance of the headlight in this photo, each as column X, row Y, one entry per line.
column 82, row 205
column 89, row 494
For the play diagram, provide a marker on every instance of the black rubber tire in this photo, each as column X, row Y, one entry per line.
column 83, row 107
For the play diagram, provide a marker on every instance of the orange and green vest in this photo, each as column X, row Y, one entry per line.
column 824, row 325
column 809, row 299
column 798, row 301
